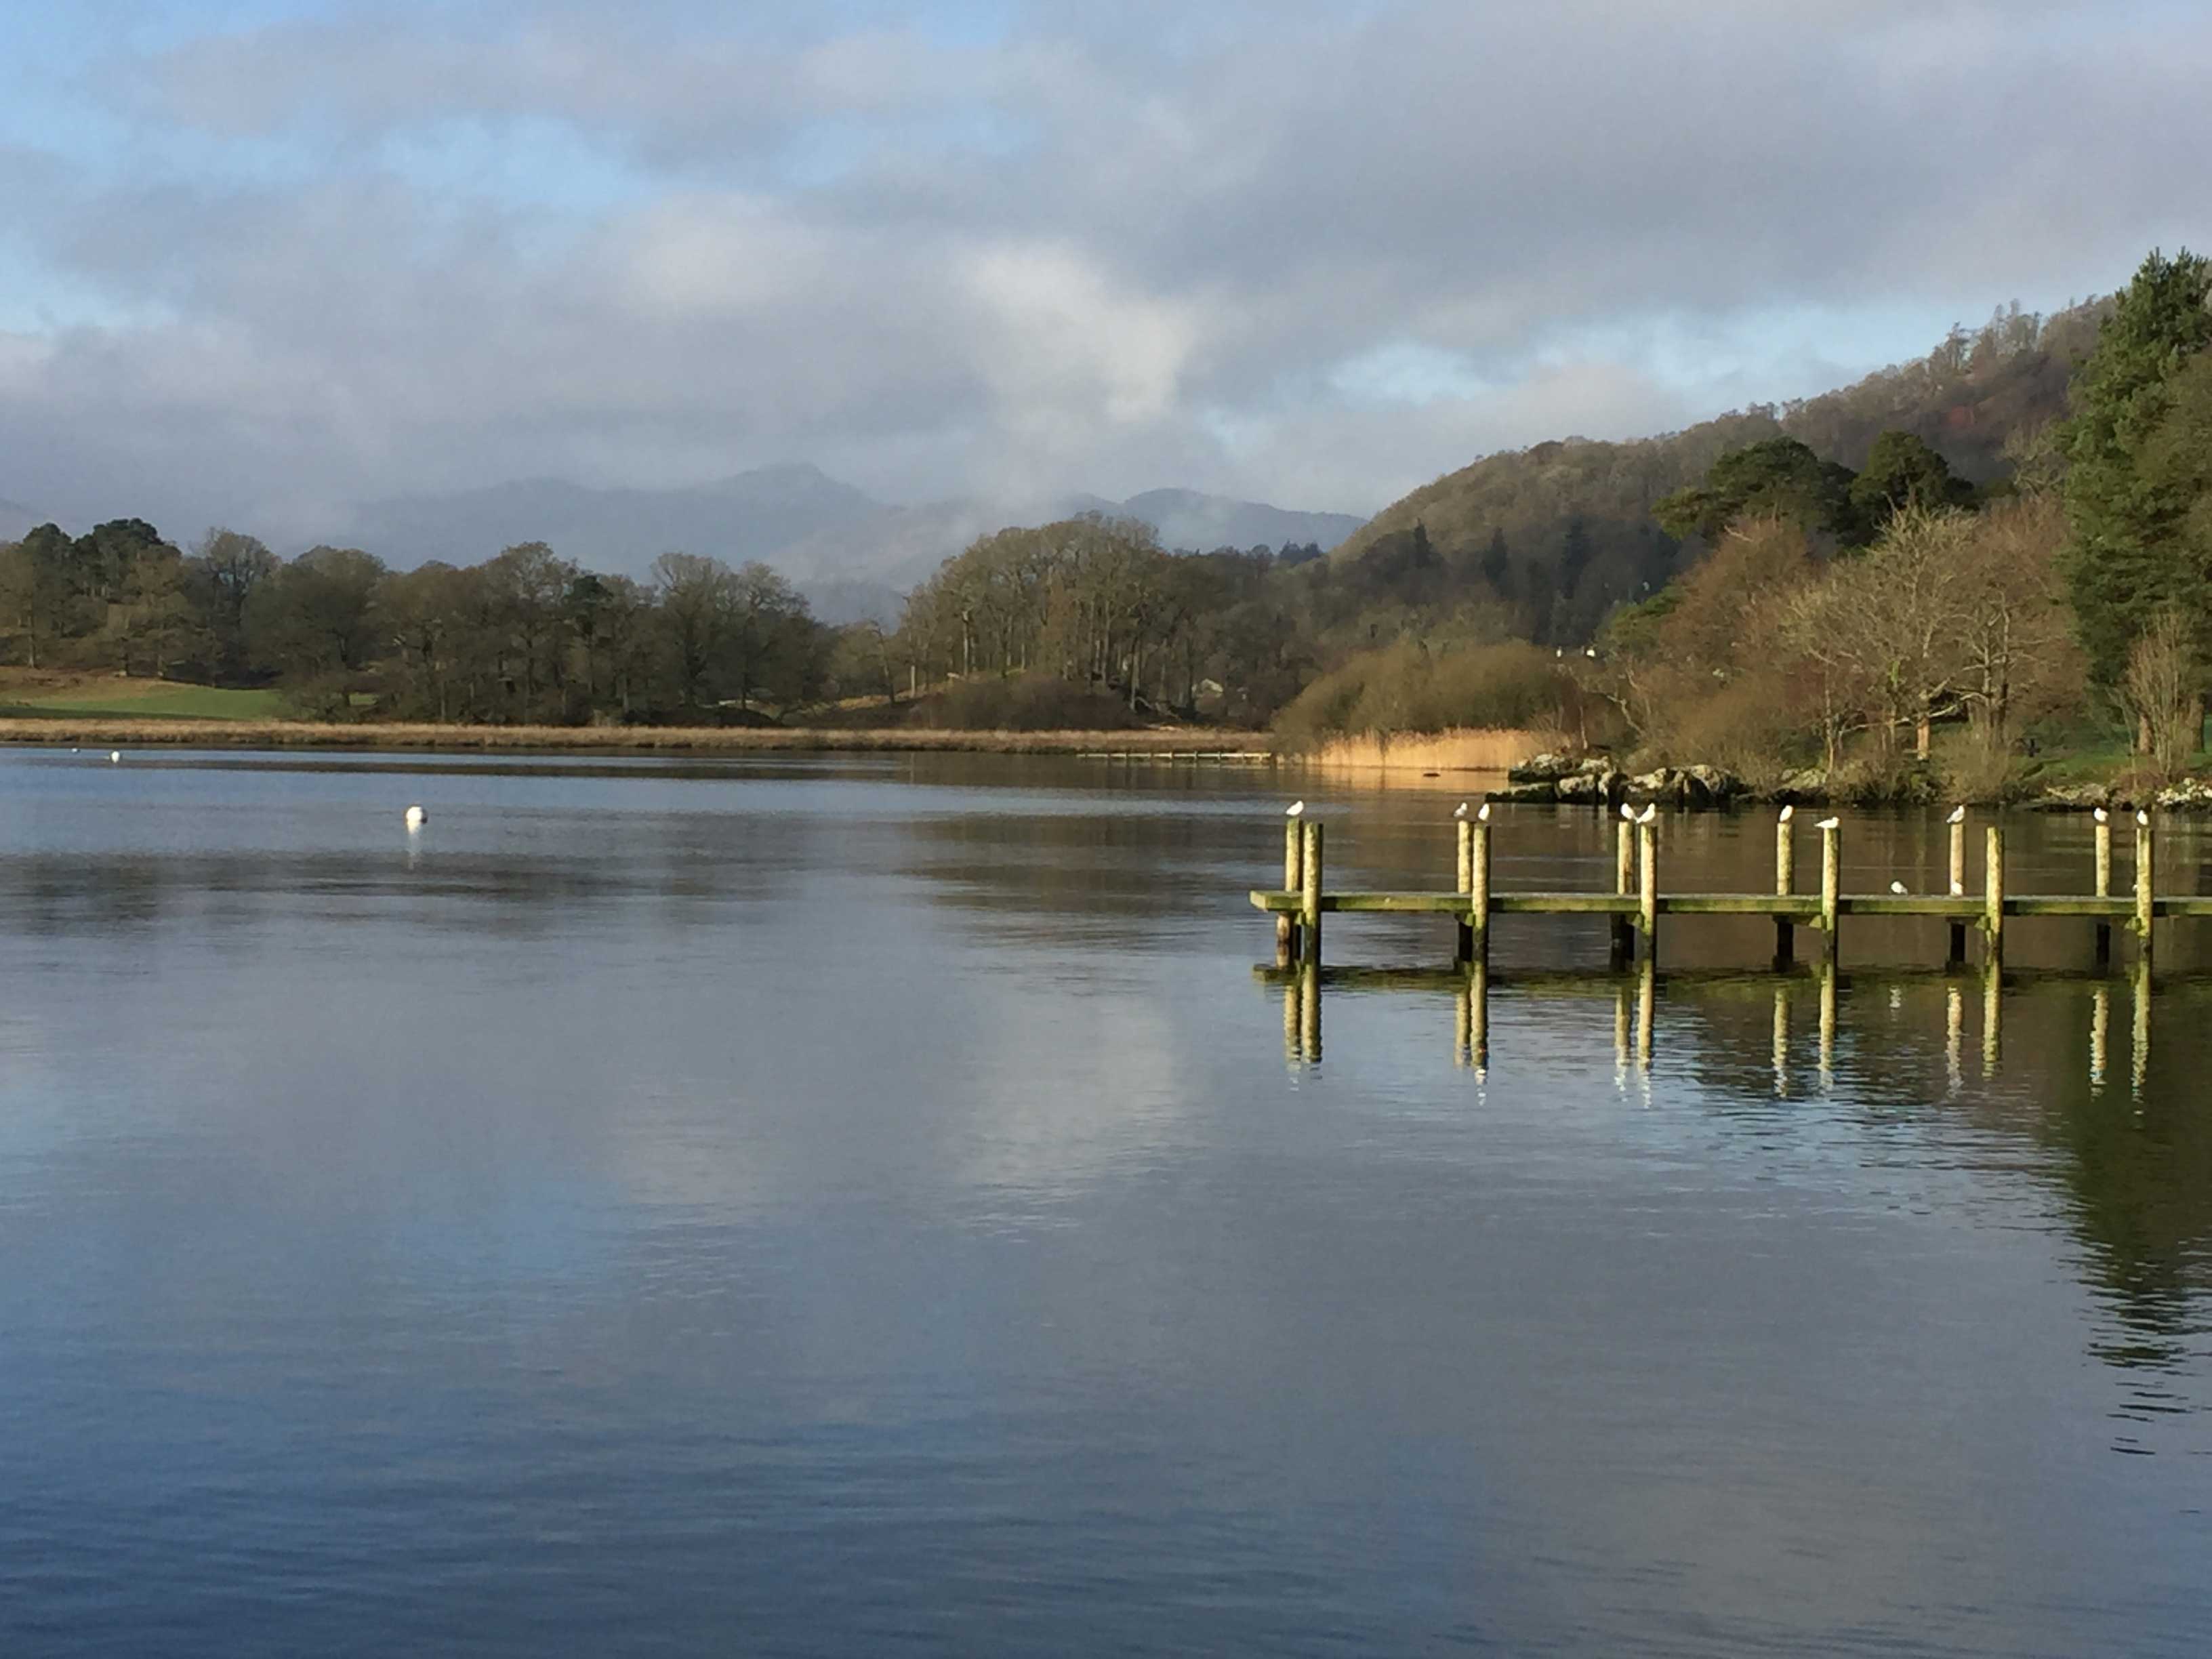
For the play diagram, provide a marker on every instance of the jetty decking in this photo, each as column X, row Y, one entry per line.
column 1636, row 904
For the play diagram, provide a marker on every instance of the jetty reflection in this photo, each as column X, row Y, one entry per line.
column 1817, row 991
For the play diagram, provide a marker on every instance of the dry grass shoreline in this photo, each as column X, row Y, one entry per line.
column 107, row 732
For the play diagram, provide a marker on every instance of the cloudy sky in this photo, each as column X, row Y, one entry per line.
column 259, row 258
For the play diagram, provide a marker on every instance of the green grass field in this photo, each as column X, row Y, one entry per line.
column 137, row 700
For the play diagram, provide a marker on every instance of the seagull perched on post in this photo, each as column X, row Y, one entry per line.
column 2101, row 815
column 1787, row 813
column 1459, row 812
column 1958, row 814
column 1828, row 823
column 1482, row 813
column 1648, row 813
column 1628, row 811
column 1898, row 888
column 1295, row 808
column 1958, row 889
column 2142, row 818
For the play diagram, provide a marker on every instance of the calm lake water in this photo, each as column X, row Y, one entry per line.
column 865, row 1206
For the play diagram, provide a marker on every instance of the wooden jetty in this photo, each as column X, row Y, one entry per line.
column 1637, row 902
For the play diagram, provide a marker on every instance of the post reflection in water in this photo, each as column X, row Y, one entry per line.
column 1635, row 1002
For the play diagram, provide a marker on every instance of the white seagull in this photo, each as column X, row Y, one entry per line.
column 1827, row 823
column 1628, row 811
column 1958, row 889
column 113, row 755
column 1958, row 814
column 1459, row 812
column 1898, row 888
column 2101, row 816
column 1294, row 809
column 1482, row 813
column 1787, row 813
column 416, row 818
column 1648, row 813
column 2142, row 818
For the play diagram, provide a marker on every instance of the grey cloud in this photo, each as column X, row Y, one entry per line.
column 1094, row 254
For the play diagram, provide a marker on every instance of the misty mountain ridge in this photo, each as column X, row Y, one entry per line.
column 855, row 556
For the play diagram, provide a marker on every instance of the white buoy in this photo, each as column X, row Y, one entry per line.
column 416, row 818
column 113, row 755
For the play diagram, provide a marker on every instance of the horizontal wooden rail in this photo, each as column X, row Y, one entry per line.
column 1781, row 907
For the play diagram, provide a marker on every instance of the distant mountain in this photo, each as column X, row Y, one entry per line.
column 1187, row 518
column 854, row 555
column 749, row 516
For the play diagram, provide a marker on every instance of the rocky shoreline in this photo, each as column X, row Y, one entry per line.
column 1595, row 781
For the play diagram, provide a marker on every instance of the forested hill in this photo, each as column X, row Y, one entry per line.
column 1564, row 530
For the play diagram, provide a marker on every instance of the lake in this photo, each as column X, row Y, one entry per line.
column 866, row 1204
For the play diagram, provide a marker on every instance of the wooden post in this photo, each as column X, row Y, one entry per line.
column 1647, row 909
column 1958, row 953
column 2104, row 889
column 1993, row 894
column 1831, row 885
column 1286, row 927
column 1464, row 948
column 1309, row 897
column 2144, row 900
column 1478, row 891
column 1785, row 882
column 1623, row 931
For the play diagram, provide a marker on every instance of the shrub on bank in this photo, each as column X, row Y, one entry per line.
column 1022, row 702
column 1407, row 688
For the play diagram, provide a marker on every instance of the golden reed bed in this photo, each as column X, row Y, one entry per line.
column 1467, row 749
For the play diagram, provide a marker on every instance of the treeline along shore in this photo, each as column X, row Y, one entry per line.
column 1986, row 574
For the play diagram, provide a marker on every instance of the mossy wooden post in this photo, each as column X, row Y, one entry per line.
column 1465, row 952
column 1831, row 875
column 1623, row 931
column 1647, row 909
column 1286, row 927
column 1958, row 953
column 1310, row 874
column 2104, row 888
column 2143, row 901
column 1478, row 892
column 1785, row 882
column 1993, row 894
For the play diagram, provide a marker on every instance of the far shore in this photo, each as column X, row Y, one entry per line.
column 95, row 731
